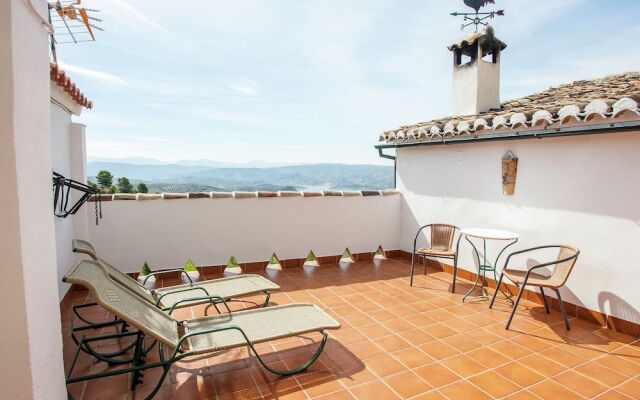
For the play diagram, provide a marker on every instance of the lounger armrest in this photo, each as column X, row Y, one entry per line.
column 214, row 300
column 186, row 336
column 168, row 271
column 188, row 289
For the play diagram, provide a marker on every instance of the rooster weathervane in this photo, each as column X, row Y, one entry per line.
column 477, row 18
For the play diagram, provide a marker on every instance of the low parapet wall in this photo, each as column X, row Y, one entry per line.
column 250, row 226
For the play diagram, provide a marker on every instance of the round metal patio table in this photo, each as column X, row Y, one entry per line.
column 484, row 266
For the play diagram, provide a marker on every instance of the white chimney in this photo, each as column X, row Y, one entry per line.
column 476, row 73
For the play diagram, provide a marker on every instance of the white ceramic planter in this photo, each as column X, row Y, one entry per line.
column 194, row 275
column 151, row 282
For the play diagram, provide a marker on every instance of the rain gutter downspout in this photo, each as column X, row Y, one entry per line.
column 395, row 164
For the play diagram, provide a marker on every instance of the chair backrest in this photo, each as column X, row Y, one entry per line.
column 442, row 236
column 563, row 269
column 110, row 295
column 127, row 281
column 84, row 247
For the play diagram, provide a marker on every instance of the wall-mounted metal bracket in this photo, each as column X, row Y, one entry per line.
column 62, row 188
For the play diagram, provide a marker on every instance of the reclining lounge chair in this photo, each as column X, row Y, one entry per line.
column 199, row 336
column 165, row 299
column 176, row 296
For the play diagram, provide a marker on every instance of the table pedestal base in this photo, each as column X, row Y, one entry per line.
column 482, row 272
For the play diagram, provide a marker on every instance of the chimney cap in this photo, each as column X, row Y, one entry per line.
column 486, row 38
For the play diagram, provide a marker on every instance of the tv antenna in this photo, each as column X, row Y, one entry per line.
column 477, row 18
column 71, row 23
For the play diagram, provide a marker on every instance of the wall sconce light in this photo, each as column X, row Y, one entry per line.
column 509, row 171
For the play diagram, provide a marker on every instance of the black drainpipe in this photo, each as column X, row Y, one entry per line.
column 395, row 164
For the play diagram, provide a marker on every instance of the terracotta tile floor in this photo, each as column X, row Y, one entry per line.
column 397, row 341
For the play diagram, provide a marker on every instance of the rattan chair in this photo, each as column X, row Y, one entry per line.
column 440, row 246
column 567, row 257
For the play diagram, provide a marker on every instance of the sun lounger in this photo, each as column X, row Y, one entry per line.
column 185, row 338
column 178, row 296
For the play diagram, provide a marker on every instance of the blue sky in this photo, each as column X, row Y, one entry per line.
column 312, row 81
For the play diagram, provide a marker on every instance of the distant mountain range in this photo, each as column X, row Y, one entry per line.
column 199, row 162
column 188, row 176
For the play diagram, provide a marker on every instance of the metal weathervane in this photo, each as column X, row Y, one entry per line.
column 477, row 18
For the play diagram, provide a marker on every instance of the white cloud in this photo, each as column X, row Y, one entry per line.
column 245, row 86
column 91, row 73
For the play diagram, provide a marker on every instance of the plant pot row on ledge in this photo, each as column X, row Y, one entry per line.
column 208, row 271
column 242, row 195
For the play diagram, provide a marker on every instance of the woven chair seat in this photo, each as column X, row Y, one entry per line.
column 227, row 288
column 535, row 279
column 259, row 325
column 435, row 252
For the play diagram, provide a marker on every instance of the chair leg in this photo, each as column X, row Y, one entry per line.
column 515, row 305
column 424, row 265
column 413, row 265
column 544, row 300
column 564, row 312
column 455, row 271
column 496, row 291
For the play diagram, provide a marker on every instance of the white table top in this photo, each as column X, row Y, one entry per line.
column 493, row 234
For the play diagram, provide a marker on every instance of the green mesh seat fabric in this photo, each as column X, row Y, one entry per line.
column 227, row 288
column 259, row 326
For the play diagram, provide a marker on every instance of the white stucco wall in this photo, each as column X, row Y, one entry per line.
column 69, row 159
column 582, row 191
column 30, row 339
column 166, row 233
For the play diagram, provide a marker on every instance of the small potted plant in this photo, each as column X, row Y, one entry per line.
column 233, row 266
column 143, row 277
column 192, row 270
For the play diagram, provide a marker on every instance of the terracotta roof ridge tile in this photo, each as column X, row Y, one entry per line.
column 60, row 78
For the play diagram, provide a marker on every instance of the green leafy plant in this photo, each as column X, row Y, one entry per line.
column 189, row 266
column 145, row 270
column 233, row 263
column 311, row 257
column 274, row 259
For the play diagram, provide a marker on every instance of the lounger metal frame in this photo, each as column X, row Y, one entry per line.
column 140, row 352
